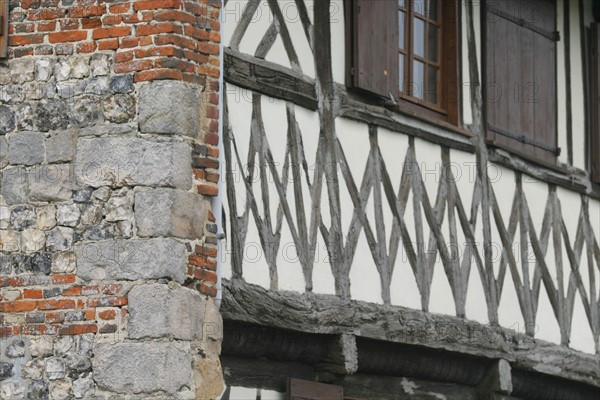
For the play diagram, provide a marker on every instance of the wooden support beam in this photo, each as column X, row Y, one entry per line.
column 270, row 79
column 331, row 315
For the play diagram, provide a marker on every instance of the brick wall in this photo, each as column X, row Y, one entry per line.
column 109, row 133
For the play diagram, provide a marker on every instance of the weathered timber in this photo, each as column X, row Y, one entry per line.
column 269, row 79
column 568, row 178
column 380, row 116
column 263, row 374
column 328, row 314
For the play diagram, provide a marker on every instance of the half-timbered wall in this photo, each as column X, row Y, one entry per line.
column 327, row 194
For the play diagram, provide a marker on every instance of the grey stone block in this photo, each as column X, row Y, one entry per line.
column 170, row 212
column 50, row 182
column 26, row 148
column 129, row 161
column 3, row 152
column 15, row 187
column 141, row 367
column 170, row 107
column 163, row 311
column 7, row 119
column 131, row 259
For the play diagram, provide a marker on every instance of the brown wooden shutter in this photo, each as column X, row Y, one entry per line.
column 520, row 83
column 4, row 29
column 595, row 102
column 307, row 390
column 375, row 46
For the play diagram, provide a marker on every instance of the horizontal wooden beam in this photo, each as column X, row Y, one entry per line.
column 270, row 79
column 444, row 135
column 329, row 314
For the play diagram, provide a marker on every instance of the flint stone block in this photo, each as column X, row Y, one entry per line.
column 132, row 161
column 141, row 367
column 15, row 187
column 170, row 212
column 170, row 108
column 131, row 259
column 162, row 311
column 50, row 183
column 61, row 147
column 26, row 148
column 3, row 152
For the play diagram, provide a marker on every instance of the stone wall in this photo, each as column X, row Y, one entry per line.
column 108, row 158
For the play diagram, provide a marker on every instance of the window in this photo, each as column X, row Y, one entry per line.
column 520, row 77
column 406, row 50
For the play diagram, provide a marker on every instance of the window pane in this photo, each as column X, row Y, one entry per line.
column 432, row 86
column 401, row 23
column 419, row 37
column 401, row 3
column 432, row 42
column 419, row 7
column 433, row 9
column 418, row 82
column 401, row 71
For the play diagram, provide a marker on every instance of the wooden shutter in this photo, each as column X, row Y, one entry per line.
column 4, row 29
column 375, row 46
column 307, row 390
column 520, row 83
column 595, row 102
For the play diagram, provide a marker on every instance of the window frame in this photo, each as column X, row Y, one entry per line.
column 450, row 92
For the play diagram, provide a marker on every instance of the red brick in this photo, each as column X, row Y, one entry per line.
column 91, row 23
column 107, row 302
column 33, row 294
column 86, row 47
column 112, row 20
column 199, row 173
column 21, row 28
column 124, row 56
column 135, row 65
column 174, row 15
column 154, row 29
column 69, row 24
column 208, row 290
column 24, row 40
column 107, row 314
column 18, row 306
column 212, row 177
column 86, row 11
column 78, row 329
column 197, row 261
column 69, row 36
column 212, row 139
column 197, row 33
column 90, row 315
column 46, row 14
column 213, row 152
column 119, row 8
column 72, row 291
column 55, row 317
column 156, row 4
column 90, row 290
column 205, row 275
column 128, row 42
column 117, row 31
column 55, row 304
column 108, row 44
column 157, row 74
column 208, row 190
column 206, row 250
column 46, row 26
column 63, row 279
column 111, row 289
column 205, row 162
